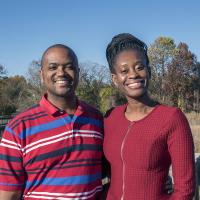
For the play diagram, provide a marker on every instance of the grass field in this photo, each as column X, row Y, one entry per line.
column 194, row 120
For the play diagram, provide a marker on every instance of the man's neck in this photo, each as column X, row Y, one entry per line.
column 68, row 104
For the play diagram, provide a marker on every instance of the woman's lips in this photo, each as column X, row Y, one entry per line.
column 135, row 85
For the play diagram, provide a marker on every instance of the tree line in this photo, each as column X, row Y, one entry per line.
column 175, row 80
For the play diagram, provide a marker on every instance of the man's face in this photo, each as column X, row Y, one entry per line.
column 59, row 72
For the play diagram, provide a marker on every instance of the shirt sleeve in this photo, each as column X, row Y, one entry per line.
column 181, row 149
column 12, row 174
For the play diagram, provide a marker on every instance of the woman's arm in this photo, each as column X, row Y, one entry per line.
column 181, row 148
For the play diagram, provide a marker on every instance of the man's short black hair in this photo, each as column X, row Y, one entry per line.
column 71, row 52
column 121, row 42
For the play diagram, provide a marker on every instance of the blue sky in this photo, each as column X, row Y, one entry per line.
column 28, row 27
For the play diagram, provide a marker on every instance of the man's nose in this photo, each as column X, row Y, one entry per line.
column 60, row 70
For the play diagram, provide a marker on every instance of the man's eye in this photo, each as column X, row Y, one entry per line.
column 52, row 67
column 69, row 67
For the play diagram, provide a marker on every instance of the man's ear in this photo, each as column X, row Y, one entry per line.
column 114, row 80
column 41, row 75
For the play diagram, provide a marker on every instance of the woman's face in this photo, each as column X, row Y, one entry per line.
column 131, row 74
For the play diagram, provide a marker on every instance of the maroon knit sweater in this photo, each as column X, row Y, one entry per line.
column 141, row 152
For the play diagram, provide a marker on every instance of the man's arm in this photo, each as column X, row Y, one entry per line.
column 12, row 174
column 10, row 195
column 105, row 177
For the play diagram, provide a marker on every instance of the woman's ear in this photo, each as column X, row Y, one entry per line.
column 114, row 80
column 149, row 70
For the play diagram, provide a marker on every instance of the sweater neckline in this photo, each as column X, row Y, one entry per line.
column 140, row 120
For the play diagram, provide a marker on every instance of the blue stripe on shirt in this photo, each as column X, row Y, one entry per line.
column 10, row 184
column 57, row 123
column 72, row 180
column 9, row 130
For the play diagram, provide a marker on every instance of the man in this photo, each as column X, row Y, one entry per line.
column 54, row 149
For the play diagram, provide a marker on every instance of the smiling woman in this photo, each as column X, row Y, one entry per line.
column 131, row 74
column 143, row 138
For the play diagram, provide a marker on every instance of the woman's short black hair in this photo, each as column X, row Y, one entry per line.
column 121, row 42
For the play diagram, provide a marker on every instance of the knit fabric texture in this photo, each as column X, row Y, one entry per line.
column 141, row 152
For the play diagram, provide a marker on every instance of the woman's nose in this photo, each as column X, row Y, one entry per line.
column 132, row 73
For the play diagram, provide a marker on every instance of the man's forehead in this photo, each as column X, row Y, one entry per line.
column 57, row 53
column 60, row 50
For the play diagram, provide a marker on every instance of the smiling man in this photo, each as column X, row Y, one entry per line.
column 54, row 149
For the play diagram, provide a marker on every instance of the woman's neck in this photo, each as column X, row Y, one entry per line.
column 138, row 109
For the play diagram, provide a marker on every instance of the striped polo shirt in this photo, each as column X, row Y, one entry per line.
column 50, row 155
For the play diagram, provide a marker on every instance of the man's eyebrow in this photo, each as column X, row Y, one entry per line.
column 68, row 63
column 64, row 64
column 53, row 63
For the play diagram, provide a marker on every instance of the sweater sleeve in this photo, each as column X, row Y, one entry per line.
column 181, row 149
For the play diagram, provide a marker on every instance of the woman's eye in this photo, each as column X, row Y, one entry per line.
column 139, row 67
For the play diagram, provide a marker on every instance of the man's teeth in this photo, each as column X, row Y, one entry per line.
column 64, row 82
column 61, row 81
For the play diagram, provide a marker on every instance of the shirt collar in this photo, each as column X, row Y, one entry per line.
column 53, row 110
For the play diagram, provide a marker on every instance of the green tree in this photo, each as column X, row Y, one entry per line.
column 93, row 77
column 181, row 77
column 13, row 95
column 161, row 53
column 3, row 72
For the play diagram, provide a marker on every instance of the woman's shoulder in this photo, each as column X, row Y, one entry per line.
column 171, row 113
column 114, row 111
column 168, row 109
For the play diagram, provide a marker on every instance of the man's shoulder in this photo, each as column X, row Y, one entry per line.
column 27, row 114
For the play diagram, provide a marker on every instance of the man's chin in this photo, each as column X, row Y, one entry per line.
column 63, row 94
column 66, row 95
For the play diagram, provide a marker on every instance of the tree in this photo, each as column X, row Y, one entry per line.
column 13, row 95
column 33, row 78
column 175, row 74
column 3, row 72
column 196, row 86
column 92, row 78
column 3, row 76
column 160, row 53
column 181, row 77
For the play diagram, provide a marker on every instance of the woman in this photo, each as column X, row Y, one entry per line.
column 143, row 138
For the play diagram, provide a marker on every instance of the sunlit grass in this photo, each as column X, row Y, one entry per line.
column 194, row 121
